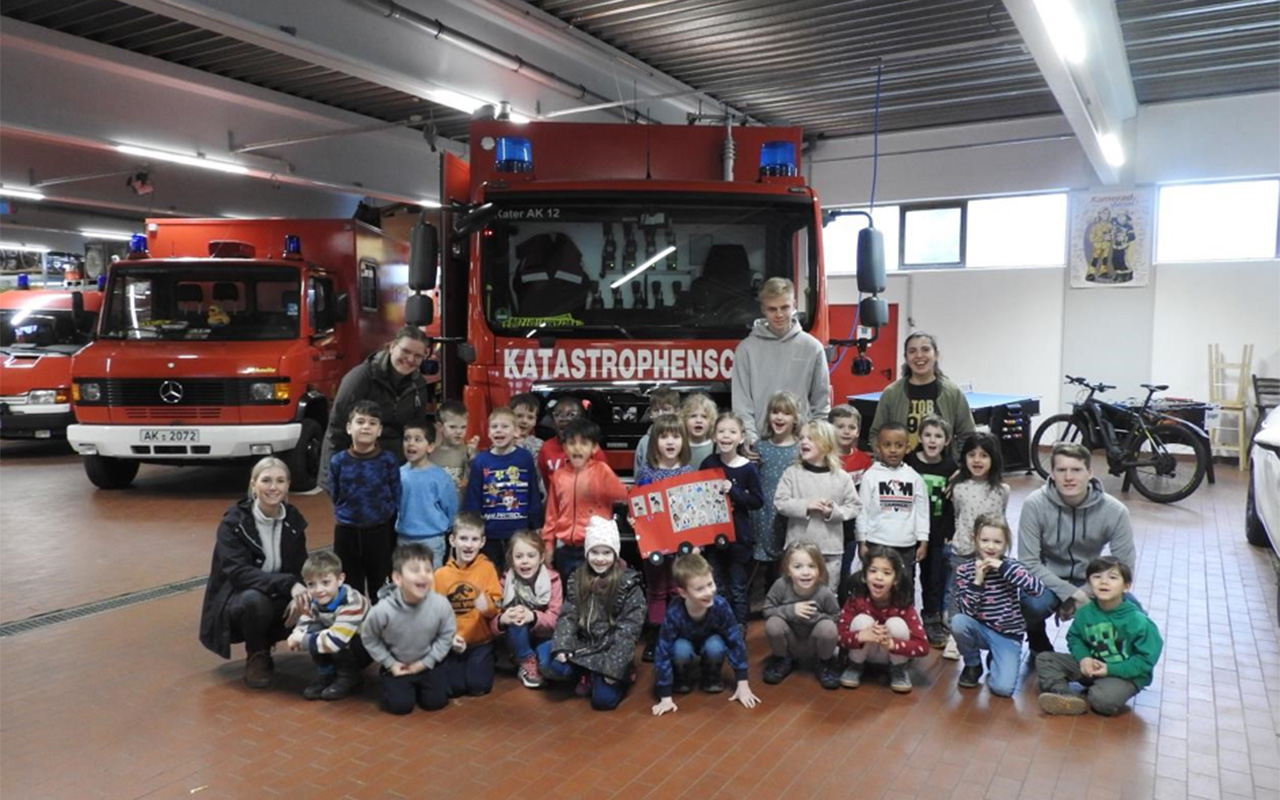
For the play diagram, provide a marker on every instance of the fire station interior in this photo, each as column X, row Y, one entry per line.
column 979, row 137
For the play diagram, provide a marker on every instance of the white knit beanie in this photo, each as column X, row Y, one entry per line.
column 604, row 532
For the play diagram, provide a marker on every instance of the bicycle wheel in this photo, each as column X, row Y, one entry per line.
column 1171, row 464
column 1058, row 428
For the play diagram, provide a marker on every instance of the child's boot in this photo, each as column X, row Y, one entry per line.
column 650, row 644
column 829, row 674
column 322, row 681
column 777, row 668
column 712, row 681
column 348, row 678
column 682, row 681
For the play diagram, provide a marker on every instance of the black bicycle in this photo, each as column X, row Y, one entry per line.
column 1156, row 452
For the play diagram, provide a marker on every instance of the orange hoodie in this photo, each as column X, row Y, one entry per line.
column 461, row 586
column 574, row 496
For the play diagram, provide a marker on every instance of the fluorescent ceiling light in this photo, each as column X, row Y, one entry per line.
column 1065, row 31
column 661, row 254
column 429, row 203
column 178, row 158
column 455, row 100
column 518, row 119
column 1112, row 149
column 23, row 247
column 115, row 236
column 21, row 194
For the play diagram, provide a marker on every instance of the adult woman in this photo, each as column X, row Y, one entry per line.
column 392, row 378
column 922, row 390
column 255, row 590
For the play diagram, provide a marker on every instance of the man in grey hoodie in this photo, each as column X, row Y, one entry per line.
column 1063, row 526
column 778, row 355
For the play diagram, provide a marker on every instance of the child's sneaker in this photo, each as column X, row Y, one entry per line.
column 712, row 680
column 899, row 678
column 681, row 680
column 529, row 674
column 969, row 676
column 851, row 678
column 777, row 668
column 828, row 675
column 951, row 652
column 1063, row 703
column 583, row 688
column 935, row 631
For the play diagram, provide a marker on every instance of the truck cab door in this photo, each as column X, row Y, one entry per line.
column 328, row 348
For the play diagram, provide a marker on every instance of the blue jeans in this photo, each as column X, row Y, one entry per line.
column 972, row 637
column 713, row 651
column 438, row 545
column 520, row 640
column 731, row 566
column 604, row 696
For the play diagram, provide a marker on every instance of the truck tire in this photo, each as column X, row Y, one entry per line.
column 304, row 459
column 1254, row 533
column 110, row 473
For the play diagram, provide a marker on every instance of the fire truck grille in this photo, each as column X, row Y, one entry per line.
column 204, row 413
column 171, row 394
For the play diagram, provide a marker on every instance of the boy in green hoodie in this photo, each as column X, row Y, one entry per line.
column 1114, row 648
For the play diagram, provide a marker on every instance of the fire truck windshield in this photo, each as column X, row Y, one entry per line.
column 52, row 328
column 644, row 265
column 197, row 301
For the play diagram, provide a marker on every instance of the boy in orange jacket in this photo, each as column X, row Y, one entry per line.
column 583, row 487
column 470, row 584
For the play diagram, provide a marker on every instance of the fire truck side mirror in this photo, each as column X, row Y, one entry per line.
column 873, row 312
column 419, row 310
column 871, row 278
column 472, row 219
column 424, row 253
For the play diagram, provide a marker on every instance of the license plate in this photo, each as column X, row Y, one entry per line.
column 169, row 436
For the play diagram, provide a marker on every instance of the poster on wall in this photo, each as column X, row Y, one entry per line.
column 1111, row 238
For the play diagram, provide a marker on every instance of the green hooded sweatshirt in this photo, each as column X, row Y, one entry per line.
column 1125, row 639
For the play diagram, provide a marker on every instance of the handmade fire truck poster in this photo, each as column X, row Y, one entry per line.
column 1111, row 238
column 677, row 514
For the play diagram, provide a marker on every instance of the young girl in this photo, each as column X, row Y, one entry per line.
column 816, row 496
column 668, row 456
column 698, row 412
column 531, row 598
column 600, row 621
column 879, row 623
column 800, row 613
column 975, row 489
column 742, row 484
column 933, row 461
column 779, row 451
column 990, row 616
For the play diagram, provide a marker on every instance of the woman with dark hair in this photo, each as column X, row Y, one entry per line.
column 255, row 590
column 392, row 378
column 922, row 390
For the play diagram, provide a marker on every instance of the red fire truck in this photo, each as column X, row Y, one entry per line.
column 40, row 330
column 609, row 259
column 227, row 339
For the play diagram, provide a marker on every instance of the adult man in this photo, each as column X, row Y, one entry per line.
column 1063, row 526
column 778, row 355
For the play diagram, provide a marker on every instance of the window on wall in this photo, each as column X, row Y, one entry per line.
column 933, row 236
column 1026, row 231
column 840, row 240
column 1218, row 221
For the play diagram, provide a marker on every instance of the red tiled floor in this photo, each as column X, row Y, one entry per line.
column 127, row 704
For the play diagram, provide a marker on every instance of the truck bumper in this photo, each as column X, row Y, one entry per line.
column 214, row 441
column 35, row 421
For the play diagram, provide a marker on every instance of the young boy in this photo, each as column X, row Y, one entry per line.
column 1114, row 648
column 454, row 452
column 409, row 632
column 699, row 413
column 933, row 462
column 565, row 409
column 428, row 496
column 847, row 421
column 470, row 584
column 503, row 487
column 330, row 628
column 527, row 407
column 895, row 503
column 698, row 623
column 663, row 402
column 364, row 482
column 579, row 490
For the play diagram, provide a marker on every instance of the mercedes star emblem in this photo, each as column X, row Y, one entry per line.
column 171, row 392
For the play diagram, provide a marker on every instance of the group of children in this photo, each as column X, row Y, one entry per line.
column 806, row 504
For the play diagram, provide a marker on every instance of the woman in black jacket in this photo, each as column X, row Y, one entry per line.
column 255, row 590
column 392, row 378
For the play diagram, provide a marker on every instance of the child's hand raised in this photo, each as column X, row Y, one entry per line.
column 744, row 695
column 663, row 706
column 473, row 446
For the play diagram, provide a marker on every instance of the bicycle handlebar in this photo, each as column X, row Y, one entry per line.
column 1097, row 387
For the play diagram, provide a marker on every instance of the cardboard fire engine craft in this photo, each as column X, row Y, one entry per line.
column 678, row 514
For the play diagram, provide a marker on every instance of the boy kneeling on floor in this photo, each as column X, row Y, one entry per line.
column 1114, row 648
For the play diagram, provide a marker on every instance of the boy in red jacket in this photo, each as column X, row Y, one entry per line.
column 582, row 487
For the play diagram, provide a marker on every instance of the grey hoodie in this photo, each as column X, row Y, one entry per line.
column 396, row 631
column 765, row 364
column 1057, row 541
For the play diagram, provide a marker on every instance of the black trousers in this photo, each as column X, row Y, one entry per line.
column 428, row 689
column 365, row 551
column 257, row 620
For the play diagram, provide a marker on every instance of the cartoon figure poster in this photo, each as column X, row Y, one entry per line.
column 687, row 509
column 1111, row 238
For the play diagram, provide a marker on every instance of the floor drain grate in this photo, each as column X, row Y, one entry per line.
column 67, row 614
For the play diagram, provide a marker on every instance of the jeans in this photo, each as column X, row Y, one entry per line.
column 731, row 566
column 566, row 560
column 846, row 568
column 713, row 651
column 605, row 696
column 438, row 545
column 469, row 672
column 520, row 640
column 428, row 689
column 972, row 637
column 933, row 580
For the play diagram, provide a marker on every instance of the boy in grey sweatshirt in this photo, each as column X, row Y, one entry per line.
column 409, row 632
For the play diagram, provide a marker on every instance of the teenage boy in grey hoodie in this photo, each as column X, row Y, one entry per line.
column 409, row 632
column 778, row 355
column 1063, row 526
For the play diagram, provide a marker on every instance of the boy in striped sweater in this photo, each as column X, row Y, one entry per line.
column 329, row 628
column 990, row 618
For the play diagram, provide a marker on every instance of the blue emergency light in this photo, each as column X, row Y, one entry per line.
column 24, row 282
column 513, row 154
column 292, row 245
column 777, row 159
column 102, row 282
column 138, row 246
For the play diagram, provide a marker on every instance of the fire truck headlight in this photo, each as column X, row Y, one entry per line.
column 90, row 392
column 262, row 392
column 42, row 397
